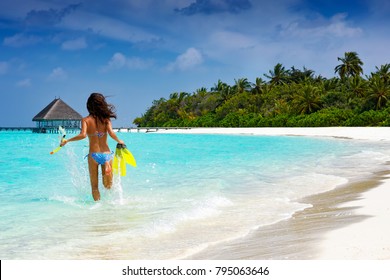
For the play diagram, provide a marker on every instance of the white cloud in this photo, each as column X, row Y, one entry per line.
column 120, row 61
column 337, row 26
column 75, row 44
column 138, row 63
column 189, row 59
column 21, row 40
column 221, row 44
column 107, row 27
column 58, row 74
column 24, row 83
column 3, row 67
column 117, row 61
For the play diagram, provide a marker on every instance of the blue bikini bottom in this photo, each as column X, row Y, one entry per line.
column 102, row 158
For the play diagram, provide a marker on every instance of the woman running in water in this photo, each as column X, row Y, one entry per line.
column 97, row 125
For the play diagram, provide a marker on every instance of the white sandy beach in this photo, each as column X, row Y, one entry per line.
column 368, row 239
column 364, row 133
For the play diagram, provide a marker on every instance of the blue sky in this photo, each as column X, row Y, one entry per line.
column 136, row 51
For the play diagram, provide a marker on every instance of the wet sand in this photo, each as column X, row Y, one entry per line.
column 300, row 237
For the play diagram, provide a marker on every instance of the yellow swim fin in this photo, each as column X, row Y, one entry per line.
column 122, row 156
column 123, row 166
column 63, row 133
column 129, row 158
column 115, row 166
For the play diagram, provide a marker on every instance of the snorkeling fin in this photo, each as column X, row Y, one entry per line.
column 55, row 150
column 122, row 156
column 63, row 132
column 123, row 166
column 129, row 158
column 115, row 164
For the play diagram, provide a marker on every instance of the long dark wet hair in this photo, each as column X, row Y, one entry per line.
column 98, row 108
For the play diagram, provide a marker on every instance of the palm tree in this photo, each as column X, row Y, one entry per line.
column 278, row 76
column 157, row 103
column 201, row 92
column 383, row 72
column 222, row 90
column 219, row 87
column 183, row 95
column 307, row 100
column 357, row 85
column 330, row 84
column 242, row 85
column 173, row 96
column 258, row 87
column 281, row 106
column 351, row 65
column 298, row 76
column 378, row 91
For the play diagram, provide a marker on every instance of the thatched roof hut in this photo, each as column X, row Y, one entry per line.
column 56, row 114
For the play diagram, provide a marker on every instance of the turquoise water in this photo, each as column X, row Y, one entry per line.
column 188, row 191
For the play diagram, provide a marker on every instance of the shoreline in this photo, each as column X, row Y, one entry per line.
column 358, row 133
column 349, row 222
column 312, row 233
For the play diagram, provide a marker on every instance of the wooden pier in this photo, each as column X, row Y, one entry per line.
column 77, row 130
column 17, row 129
column 40, row 130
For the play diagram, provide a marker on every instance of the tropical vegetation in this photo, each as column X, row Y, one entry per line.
column 286, row 97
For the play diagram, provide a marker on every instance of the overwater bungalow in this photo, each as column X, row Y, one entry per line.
column 56, row 114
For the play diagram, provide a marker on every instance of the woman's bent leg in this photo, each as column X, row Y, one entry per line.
column 107, row 175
